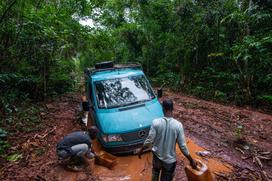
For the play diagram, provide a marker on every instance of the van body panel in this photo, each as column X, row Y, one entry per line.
column 121, row 121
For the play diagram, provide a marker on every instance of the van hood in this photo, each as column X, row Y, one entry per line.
column 127, row 120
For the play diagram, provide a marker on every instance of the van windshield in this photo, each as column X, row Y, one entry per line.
column 125, row 91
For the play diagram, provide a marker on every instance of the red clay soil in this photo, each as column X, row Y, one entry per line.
column 208, row 126
column 215, row 127
column 39, row 149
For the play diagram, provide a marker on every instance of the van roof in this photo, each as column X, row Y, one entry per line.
column 116, row 73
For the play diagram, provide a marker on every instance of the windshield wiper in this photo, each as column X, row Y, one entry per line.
column 136, row 102
column 128, row 104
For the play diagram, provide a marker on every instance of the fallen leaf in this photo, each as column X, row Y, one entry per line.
column 14, row 157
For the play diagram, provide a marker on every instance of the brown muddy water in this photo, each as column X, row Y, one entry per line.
column 134, row 169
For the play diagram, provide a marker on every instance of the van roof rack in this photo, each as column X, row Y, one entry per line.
column 91, row 71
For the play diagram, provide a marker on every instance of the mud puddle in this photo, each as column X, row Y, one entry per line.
column 134, row 169
column 213, row 164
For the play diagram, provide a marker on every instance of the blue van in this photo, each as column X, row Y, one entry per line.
column 122, row 105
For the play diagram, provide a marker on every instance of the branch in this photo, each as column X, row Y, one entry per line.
column 6, row 11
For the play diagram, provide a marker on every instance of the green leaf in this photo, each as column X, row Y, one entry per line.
column 3, row 133
column 14, row 157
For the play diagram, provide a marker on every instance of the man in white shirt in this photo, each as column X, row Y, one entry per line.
column 163, row 135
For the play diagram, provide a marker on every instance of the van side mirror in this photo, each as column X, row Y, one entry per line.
column 159, row 93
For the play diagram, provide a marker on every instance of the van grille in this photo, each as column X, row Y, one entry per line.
column 136, row 135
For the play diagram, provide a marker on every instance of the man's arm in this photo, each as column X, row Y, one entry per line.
column 149, row 140
column 182, row 145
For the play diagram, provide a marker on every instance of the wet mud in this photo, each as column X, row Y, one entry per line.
column 132, row 168
column 135, row 169
column 208, row 126
column 238, row 136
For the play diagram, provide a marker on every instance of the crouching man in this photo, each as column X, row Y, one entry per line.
column 72, row 149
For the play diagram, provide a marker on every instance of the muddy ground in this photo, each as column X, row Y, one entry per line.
column 238, row 141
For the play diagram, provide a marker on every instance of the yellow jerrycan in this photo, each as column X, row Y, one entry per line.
column 201, row 174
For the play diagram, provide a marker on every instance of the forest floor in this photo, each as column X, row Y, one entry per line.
column 237, row 143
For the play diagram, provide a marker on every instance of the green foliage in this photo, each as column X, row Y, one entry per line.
column 25, row 119
column 29, row 119
column 38, row 43
column 265, row 101
column 219, row 50
column 3, row 142
column 198, row 91
column 267, row 98
column 14, row 157
column 4, row 145
column 3, row 133
column 169, row 79
column 239, row 132
column 220, row 96
column 40, row 151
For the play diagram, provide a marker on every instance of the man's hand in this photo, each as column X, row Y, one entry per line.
column 193, row 164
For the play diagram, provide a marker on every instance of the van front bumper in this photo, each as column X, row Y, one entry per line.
column 132, row 148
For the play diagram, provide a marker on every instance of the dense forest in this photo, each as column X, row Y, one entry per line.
column 219, row 50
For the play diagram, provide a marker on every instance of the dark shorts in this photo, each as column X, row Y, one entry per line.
column 167, row 170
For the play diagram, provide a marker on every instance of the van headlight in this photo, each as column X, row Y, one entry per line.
column 112, row 138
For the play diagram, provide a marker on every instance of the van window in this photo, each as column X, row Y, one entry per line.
column 125, row 91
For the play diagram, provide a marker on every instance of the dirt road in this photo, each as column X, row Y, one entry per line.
column 135, row 169
column 208, row 126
